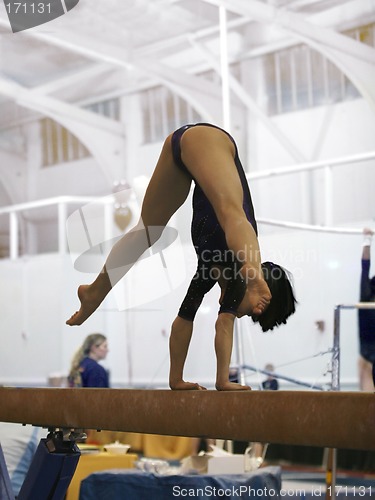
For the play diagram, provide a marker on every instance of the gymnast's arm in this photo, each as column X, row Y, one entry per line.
column 182, row 329
column 202, row 282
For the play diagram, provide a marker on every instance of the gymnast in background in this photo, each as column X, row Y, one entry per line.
column 85, row 370
column 224, row 234
column 366, row 319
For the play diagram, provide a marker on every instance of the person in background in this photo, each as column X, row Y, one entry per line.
column 366, row 319
column 271, row 383
column 85, row 370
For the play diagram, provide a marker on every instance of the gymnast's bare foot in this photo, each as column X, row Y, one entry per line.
column 186, row 386
column 232, row 386
column 259, row 295
column 89, row 303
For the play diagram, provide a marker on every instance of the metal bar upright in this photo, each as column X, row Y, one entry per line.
column 335, row 385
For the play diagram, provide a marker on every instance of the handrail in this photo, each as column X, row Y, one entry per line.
column 63, row 201
column 57, row 200
column 309, row 227
column 104, row 200
column 333, row 162
column 327, row 165
column 313, row 165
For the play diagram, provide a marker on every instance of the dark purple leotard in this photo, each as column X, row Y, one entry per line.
column 209, row 241
column 366, row 317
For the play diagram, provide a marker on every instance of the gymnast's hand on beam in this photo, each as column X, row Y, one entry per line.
column 187, row 386
column 232, row 386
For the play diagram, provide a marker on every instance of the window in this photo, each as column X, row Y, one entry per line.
column 109, row 109
column 301, row 77
column 163, row 112
column 59, row 145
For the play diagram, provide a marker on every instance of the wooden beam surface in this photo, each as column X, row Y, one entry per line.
column 326, row 419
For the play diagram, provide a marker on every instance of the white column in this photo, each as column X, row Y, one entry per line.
column 225, row 88
column 328, row 195
column 62, row 216
column 14, row 240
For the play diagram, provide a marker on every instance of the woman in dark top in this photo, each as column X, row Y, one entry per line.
column 86, row 370
column 225, row 238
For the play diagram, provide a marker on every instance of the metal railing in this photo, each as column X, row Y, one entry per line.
column 62, row 202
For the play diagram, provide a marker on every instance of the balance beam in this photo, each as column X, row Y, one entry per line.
column 326, row 419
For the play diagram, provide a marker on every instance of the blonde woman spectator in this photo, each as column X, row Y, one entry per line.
column 85, row 370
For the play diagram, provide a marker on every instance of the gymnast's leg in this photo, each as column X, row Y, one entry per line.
column 166, row 192
column 209, row 154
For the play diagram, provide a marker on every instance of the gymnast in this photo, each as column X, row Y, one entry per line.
column 224, row 234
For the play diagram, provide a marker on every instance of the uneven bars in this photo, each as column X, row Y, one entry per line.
column 336, row 339
column 283, row 377
column 358, row 305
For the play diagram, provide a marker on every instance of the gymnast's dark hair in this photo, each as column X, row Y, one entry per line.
column 283, row 302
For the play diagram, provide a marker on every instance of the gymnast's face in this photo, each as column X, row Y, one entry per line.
column 99, row 351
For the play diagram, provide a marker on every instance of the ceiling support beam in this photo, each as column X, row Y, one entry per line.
column 252, row 106
column 355, row 59
column 70, row 80
column 201, row 94
column 295, row 23
column 104, row 138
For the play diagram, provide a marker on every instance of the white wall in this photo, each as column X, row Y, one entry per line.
column 30, row 318
column 74, row 178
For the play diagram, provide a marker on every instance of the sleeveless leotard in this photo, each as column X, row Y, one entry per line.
column 209, row 241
